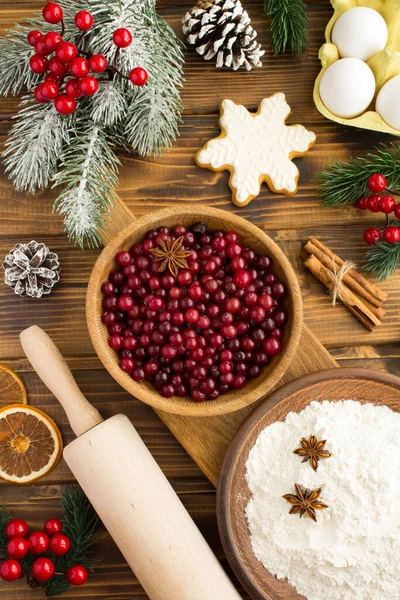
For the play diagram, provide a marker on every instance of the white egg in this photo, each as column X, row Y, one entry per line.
column 388, row 103
column 347, row 87
column 360, row 33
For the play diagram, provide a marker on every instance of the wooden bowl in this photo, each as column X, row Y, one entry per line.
column 233, row 493
column 250, row 235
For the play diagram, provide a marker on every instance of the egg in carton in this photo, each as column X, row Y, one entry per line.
column 384, row 64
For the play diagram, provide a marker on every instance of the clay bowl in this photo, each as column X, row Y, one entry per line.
column 251, row 236
column 233, row 494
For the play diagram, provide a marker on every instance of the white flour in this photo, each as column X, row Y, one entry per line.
column 353, row 551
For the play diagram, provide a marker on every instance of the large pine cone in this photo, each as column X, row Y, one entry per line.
column 31, row 269
column 222, row 28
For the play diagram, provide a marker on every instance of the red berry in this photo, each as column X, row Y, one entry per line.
column 38, row 542
column 57, row 67
column 66, row 51
column 10, row 570
column 122, row 37
column 52, row 39
column 65, row 105
column 83, row 20
column 38, row 64
column 97, row 63
column 272, row 346
column 52, row 13
column 77, row 575
column 374, row 203
column 72, row 88
column 242, row 278
column 42, row 569
column 49, row 90
column 377, row 183
column 17, row 547
column 387, row 204
column 266, row 301
column 138, row 76
column 53, row 526
column 372, row 235
column 391, row 234
column 51, row 77
column 362, row 202
column 41, row 48
column 34, row 36
column 79, row 67
column 60, row 544
column 88, row 85
column 37, row 92
column 115, row 341
column 397, row 211
column 17, row 528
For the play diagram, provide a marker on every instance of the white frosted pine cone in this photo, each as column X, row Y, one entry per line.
column 222, row 29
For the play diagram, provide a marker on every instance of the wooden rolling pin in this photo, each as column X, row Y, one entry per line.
column 128, row 490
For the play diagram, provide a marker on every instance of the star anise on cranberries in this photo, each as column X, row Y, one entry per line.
column 172, row 255
column 312, row 449
column 305, row 501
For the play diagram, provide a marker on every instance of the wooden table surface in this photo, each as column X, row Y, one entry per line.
column 149, row 184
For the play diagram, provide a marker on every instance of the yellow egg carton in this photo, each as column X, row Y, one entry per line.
column 384, row 64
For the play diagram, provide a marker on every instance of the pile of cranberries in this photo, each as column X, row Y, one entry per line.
column 50, row 541
column 66, row 66
column 204, row 332
column 381, row 201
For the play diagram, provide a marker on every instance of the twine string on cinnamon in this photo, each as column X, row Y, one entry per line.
column 339, row 290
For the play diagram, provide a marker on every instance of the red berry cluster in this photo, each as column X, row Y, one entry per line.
column 51, row 540
column 57, row 59
column 203, row 332
column 380, row 201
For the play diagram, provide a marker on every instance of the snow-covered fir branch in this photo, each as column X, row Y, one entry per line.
column 109, row 104
column 154, row 111
column 89, row 175
column 34, row 146
column 15, row 52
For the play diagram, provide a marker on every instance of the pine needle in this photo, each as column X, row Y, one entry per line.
column 34, row 146
column 383, row 260
column 288, row 25
column 344, row 182
column 79, row 524
column 153, row 113
column 5, row 517
column 15, row 51
column 89, row 175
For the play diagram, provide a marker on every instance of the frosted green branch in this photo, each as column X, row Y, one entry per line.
column 15, row 52
column 33, row 147
column 89, row 175
column 109, row 104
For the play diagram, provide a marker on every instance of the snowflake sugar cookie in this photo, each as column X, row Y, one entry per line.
column 257, row 147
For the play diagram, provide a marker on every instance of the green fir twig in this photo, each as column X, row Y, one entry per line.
column 79, row 524
column 5, row 517
column 383, row 260
column 343, row 182
column 289, row 26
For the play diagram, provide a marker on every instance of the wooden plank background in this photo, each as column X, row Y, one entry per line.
column 149, row 184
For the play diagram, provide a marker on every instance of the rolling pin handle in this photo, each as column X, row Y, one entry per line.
column 52, row 369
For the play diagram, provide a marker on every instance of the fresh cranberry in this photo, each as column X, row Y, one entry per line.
column 272, row 346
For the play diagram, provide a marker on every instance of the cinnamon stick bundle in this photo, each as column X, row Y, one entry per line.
column 362, row 297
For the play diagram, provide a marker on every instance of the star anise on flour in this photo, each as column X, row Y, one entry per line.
column 305, row 501
column 172, row 255
column 312, row 449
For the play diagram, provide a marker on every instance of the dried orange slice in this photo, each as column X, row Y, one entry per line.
column 30, row 443
column 12, row 389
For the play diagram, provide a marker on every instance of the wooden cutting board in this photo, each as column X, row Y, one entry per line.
column 206, row 439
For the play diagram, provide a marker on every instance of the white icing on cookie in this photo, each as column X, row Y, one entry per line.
column 257, row 147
